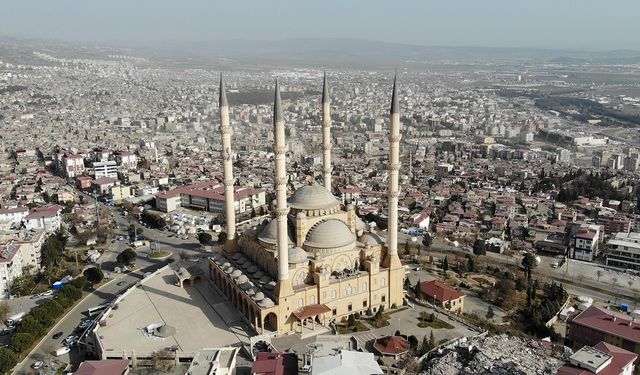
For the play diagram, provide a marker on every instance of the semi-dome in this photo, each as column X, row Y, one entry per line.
column 312, row 197
column 270, row 233
column 361, row 225
column 328, row 234
column 297, row 255
column 371, row 239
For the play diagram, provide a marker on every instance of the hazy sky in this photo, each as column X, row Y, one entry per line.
column 575, row 24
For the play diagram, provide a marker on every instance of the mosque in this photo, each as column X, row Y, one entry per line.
column 315, row 261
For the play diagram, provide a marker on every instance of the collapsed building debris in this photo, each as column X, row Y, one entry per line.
column 495, row 355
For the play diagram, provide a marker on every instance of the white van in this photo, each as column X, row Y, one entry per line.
column 62, row 351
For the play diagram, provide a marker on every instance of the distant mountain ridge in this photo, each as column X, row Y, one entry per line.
column 332, row 52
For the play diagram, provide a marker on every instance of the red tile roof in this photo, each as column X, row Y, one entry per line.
column 391, row 345
column 440, row 290
column 311, row 310
column 609, row 322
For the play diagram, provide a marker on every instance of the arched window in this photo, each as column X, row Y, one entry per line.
column 301, row 302
column 364, row 287
column 383, row 281
column 312, row 299
column 333, row 294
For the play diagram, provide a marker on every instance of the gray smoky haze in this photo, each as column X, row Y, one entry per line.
column 338, row 30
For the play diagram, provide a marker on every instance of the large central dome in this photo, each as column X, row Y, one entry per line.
column 329, row 234
column 312, row 197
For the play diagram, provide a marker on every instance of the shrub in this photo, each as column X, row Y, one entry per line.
column 94, row 275
column 22, row 341
column 79, row 282
column 42, row 315
column 413, row 341
column 70, row 292
column 31, row 325
column 8, row 360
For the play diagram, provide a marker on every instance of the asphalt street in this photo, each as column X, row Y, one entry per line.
column 116, row 285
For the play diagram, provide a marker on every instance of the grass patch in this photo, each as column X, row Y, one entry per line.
column 357, row 327
column 426, row 320
column 159, row 254
column 435, row 324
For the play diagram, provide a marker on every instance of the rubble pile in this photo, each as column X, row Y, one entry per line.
column 495, row 355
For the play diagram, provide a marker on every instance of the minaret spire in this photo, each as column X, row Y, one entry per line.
column 282, row 209
column 326, row 133
column 225, row 133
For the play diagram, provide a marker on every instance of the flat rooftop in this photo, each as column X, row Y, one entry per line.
column 213, row 361
column 201, row 318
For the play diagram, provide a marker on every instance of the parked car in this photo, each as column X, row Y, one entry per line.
column 62, row 351
column 70, row 339
column 48, row 293
column 57, row 335
column 37, row 365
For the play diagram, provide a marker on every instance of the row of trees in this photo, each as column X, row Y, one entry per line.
column 38, row 322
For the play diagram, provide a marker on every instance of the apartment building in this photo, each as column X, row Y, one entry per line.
column 594, row 325
column 10, row 267
column 72, row 165
column 46, row 218
column 107, row 168
column 585, row 245
column 624, row 250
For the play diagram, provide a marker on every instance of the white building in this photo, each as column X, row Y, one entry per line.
column 585, row 245
column 13, row 215
column 72, row 165
column 127, row 160
column 46, row 218
column 10, row 267
column 105, row 169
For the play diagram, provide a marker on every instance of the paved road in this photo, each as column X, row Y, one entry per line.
column 69, row 322
column 117, row 285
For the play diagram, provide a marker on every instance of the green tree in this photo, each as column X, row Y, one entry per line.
column 8, row 360
column 204, row 238
column 52, row 250
column 79, row 282
column 479, row 247
column 222, row 237
column 351, row 321
column 71, row 292
column 413, row 341
column 417, row 290
column 426, row 240
column 94, row 275
column 22, row 341
column 471, row 265
column 445, row 264
column 5, row 309
column 529, row 263
column 30, row 325
column 126, row 256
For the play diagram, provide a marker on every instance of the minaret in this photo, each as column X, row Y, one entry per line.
column 281, row 211
column 392, row 261
column 394, row 166
column 326, row 135
column 225, row 132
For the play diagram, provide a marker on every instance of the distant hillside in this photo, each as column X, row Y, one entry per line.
column 324, row 52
